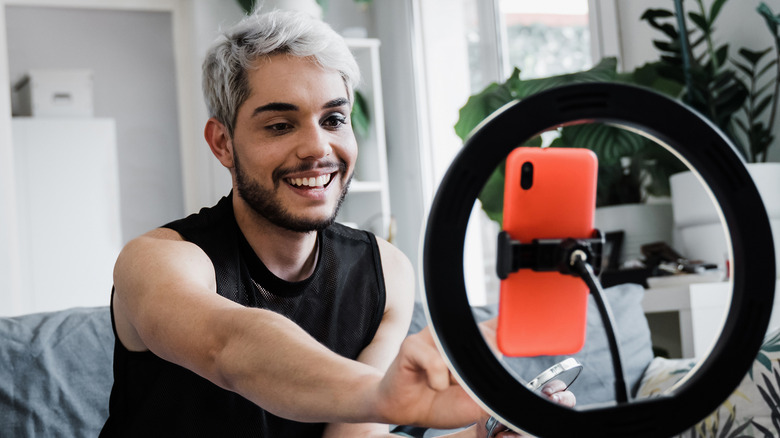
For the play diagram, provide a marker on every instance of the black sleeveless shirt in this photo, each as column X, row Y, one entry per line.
column 341, row 305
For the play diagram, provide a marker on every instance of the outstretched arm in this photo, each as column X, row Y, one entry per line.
column 165, row 301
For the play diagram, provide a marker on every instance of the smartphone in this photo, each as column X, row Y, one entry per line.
column 566, row 371
column 549, row 193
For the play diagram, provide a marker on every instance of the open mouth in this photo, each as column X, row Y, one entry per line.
column 319, row 182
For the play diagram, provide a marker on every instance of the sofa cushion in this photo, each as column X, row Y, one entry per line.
column 595, row 384
column 56, row 372
column 753, row 409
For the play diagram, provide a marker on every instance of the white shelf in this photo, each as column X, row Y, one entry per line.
column 700, row 309
column 368, row 203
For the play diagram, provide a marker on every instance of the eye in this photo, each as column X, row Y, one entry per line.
column 335, row 121
column 279, row 128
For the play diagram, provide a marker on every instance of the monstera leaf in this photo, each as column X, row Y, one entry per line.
column 609, row 143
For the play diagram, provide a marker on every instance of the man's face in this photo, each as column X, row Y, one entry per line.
column 293, row 145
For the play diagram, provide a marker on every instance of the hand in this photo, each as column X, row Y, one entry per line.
column 488, row 329
column 555, row 390
column 418, row 389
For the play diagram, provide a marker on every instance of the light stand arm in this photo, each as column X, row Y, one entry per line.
column 586, row 273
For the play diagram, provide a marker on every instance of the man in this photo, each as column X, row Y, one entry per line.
column 260, row 316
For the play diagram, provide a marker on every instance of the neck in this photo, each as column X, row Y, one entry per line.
column 290, row 255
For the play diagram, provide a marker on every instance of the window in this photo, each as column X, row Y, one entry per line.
column 541, row 38
column 547, row 38
column 466, row 45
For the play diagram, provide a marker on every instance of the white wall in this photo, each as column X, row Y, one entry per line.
column 405, row 119
column 10, row 266
column 134, row 83
column 130, row 44
column 207, row 180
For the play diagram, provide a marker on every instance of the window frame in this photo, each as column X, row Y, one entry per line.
column 438, row 139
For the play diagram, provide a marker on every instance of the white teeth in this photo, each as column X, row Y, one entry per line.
column 318, row 181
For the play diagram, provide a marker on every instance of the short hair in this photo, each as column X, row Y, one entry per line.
column 259, row 35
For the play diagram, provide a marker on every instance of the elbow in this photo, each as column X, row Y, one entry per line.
column 223, row 369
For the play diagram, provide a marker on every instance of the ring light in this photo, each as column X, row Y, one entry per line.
column 694, row 140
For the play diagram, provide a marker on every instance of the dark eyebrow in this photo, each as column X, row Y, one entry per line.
column 283, row 106
column 335, row 103
column 275, row 106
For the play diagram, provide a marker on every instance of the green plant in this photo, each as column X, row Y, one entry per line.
column 247, row 5
column 733, row 94
column 361, row 120
column 620, row 181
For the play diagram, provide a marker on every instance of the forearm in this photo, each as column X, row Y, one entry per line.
column 277, row 365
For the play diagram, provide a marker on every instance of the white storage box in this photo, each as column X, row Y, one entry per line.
column 55, row 93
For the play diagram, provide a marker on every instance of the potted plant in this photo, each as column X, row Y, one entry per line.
column 631, row 167
column 739, row 95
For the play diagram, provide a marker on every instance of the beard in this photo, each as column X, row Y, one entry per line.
column 263, row 202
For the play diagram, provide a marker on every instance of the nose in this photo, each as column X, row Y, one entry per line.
column 314, row 143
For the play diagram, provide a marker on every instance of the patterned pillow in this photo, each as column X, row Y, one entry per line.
column 753, row 409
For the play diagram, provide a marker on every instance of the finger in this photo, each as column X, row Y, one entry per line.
column 553, row 386
column 426, row 335
column 505, row 432
column 423, row 355
column 488, row 329
column 564, row 398
column 490, row 324
column 556, row 391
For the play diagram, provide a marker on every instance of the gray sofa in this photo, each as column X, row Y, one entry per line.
column 56, row 374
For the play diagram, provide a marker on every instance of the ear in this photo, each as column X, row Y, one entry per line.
column 219, row 141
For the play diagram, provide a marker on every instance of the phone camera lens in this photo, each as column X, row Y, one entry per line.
column 526, row 175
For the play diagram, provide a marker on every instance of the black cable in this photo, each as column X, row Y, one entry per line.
column 585, row 271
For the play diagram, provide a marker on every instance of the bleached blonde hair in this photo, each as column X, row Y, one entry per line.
column 225, row 80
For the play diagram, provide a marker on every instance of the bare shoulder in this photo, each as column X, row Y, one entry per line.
column 161, row 247
column 394, row 261
column 399, row 277
column 150, row 270
column 155, row 237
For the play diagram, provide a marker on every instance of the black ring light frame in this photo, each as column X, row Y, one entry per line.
column 698, row 143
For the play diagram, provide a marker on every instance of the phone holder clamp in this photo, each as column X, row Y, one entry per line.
column 547, row 255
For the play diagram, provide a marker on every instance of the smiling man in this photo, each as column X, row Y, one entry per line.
column 260, row 316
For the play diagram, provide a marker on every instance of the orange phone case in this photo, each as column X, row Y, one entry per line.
column 544, row 313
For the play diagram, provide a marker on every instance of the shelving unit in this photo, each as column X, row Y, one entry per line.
column 687, row 318
column 367, row 205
